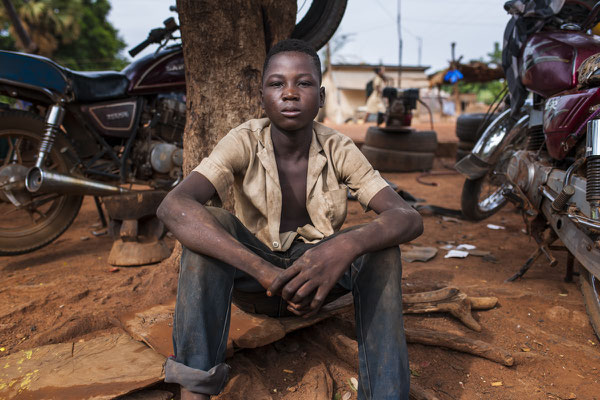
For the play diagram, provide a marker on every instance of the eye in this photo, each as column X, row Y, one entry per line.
column 305, row 83
column 276, row 84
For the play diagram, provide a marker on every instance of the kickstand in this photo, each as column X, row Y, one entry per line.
column 570, row 267
column 538, row 228
column 100, row 212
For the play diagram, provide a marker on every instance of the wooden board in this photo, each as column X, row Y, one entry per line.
column 101, row 368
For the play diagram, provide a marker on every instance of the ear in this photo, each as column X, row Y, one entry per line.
column 322, row 97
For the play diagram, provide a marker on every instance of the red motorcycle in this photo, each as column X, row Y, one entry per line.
column 68, row 134
column 545, row 156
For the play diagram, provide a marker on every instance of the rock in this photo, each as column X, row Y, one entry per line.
column 418, row 253
column 316, row 384
column 579, row 319
column 253, row 330
column 246, row 383
column 558, row 314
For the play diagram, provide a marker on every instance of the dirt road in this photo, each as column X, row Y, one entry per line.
column 66, row 292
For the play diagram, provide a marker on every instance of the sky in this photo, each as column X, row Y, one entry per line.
column 370, row 27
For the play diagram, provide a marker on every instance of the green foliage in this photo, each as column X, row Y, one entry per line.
column 487, row 91
column 74, row 33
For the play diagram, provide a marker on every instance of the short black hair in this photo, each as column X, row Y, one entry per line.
column 294, row 45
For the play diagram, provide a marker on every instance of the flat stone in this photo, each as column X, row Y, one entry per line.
column 418, row 253
column 317, row 384
column 101, row 368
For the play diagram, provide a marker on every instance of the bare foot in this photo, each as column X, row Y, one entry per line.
column 187, row 395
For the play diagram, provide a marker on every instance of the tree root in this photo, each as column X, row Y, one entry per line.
column 449, row 300
column 459, row 343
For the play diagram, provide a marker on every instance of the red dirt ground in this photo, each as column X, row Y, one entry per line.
column 66, row 291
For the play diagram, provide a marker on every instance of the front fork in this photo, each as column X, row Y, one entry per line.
column 54, row 119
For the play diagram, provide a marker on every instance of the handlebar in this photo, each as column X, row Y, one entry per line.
column 156, row 36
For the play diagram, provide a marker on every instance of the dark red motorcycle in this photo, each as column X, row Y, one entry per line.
column 70, row 134
column 544, row 156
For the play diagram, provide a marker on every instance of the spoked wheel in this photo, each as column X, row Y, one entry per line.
column 482, row 198
column 30, row 221
column 590, row 288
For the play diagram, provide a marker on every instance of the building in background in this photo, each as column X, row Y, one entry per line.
column 345, row 87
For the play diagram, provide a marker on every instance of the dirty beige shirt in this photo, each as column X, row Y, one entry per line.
column 244, row 159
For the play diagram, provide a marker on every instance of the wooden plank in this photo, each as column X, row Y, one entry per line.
column 101, row 368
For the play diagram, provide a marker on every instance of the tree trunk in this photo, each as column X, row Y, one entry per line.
column 224, row 47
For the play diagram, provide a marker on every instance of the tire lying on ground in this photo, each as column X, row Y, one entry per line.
column 417, row 141
column 396, row 160
column 400, row 151
column 467, row 126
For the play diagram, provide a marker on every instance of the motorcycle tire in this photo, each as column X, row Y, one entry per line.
column 418, row 141
column 590, row 289
column 320, row 22
column 63, row 208
column 475, row 209
column 398, row 161
column 463, row 145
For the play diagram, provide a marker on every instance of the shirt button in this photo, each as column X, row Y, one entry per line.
column 276, row 245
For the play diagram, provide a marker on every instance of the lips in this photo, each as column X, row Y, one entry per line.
column 290, row 112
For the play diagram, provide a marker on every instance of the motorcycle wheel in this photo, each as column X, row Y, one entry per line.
column 320, row 22
column 590, row 288
column 44, row 217
column 481, row 198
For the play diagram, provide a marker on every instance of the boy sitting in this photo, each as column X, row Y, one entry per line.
column 282, row 253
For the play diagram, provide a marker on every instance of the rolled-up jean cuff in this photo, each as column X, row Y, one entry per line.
column 196, row 380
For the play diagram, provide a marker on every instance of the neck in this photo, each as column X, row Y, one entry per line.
column 291, row 143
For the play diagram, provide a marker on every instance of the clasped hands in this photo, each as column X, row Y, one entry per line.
column 306, row 283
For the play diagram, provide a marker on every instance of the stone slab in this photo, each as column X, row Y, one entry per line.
column 154, row 326
column 101, row 368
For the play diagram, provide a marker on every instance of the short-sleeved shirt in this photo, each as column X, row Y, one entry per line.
column 244, row 159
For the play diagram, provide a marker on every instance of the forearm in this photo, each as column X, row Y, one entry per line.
column 390, row 228
column 198, row 230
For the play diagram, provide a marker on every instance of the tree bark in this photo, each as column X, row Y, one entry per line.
column 224, row 47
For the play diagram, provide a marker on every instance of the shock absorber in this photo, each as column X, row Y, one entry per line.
column 54, row 118
column 592, row 154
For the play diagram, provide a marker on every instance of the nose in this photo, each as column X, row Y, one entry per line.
column 290, row 93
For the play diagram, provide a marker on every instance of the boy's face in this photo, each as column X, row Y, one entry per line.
column 291, row 94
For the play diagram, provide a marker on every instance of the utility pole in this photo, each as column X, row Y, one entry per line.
column 454, row 65
column 399, row 47
column 419, row 49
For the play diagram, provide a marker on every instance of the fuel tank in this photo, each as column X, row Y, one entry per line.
column 158, row 72
column 550, row 60
column 565, row 119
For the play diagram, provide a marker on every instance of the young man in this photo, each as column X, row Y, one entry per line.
column 282, row 253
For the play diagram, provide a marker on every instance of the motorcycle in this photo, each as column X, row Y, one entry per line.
column 544, row 156
column 98, row 133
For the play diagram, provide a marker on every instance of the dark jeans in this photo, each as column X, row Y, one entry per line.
column 207, row 287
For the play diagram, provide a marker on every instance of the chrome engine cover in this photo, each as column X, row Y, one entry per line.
column 527, row 172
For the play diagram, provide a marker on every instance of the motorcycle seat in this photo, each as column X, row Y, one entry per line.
column 37, row 71
column 97, row 85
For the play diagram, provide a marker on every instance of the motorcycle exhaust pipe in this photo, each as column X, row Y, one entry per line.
column 592, row 154
column 42, row 181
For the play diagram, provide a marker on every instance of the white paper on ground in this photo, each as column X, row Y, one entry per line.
column 495, row 227
column 465, row 247
column 456, row 254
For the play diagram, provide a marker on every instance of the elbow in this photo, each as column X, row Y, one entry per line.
column 417, row 224
column 162, row 212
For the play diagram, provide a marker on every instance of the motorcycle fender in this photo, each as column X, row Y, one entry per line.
column 491, row 144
